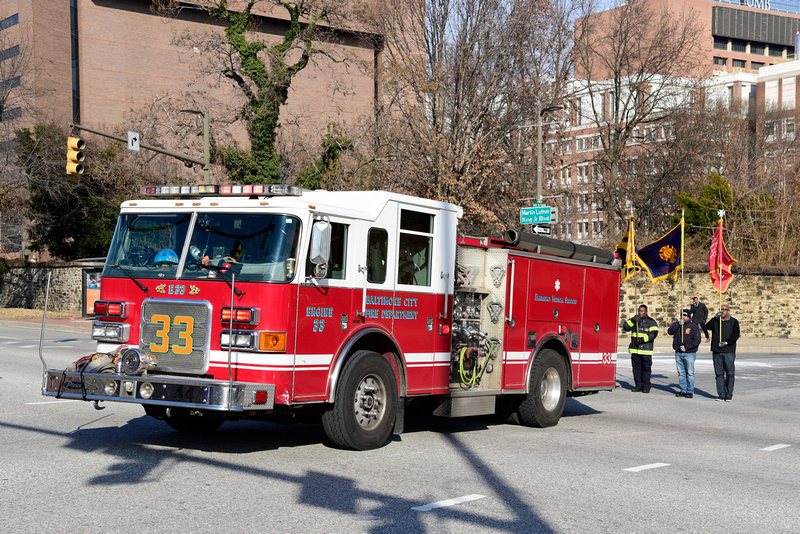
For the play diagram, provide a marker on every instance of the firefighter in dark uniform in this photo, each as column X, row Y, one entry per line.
column 644, row 330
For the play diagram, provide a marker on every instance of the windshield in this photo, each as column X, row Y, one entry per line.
column 257, row 247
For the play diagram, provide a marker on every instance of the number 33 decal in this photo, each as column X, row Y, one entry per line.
column 163, row 334
column 319, row 325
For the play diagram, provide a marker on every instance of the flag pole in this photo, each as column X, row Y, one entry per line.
column 683, row 268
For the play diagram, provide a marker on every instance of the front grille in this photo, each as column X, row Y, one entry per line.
column 176, row 333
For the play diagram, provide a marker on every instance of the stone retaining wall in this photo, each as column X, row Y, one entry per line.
column 765, row 305
column 25, row 287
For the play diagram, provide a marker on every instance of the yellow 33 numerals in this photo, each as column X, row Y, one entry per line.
column 162, row 333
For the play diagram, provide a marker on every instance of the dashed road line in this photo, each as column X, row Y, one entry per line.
column 448, row 502
column 775, row 447
column 645, row 467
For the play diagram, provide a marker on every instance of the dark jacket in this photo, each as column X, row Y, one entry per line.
column 699, row 313
column 690, row 339
column 730, row 334
column 643, row 331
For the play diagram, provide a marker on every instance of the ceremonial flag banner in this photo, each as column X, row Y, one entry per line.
column 664, row 257
column 627, row 252
column 720, row 262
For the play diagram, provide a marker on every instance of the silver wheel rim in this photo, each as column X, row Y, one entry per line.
column 550, row 389
column 368, row 404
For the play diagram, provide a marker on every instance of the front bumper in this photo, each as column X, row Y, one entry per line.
column 167, row 391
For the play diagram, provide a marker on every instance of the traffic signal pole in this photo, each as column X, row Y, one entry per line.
column 204, row 162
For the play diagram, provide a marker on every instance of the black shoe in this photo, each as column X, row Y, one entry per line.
column 720, row 399
column 645, row 390
column 689, row 395
column 680, row 394
column 636, row 390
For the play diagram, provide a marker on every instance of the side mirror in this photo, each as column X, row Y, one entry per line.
column 320, row 251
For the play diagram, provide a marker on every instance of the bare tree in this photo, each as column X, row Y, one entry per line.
column 260, row 71
column 636, row 64
column 16, row 91
column 463, row 78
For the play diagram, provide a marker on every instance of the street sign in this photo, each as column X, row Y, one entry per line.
column 133, row 141
column 542, row 230
column 537, row 214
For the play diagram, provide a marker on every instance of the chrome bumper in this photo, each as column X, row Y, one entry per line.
column 196, row 393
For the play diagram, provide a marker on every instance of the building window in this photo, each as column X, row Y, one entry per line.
column 757, row 49
column 771, row 94
column 738, row 63
column 721, row 61
column 9, row 53
column 11, row 114
column 788, row 128
column 738, row 45
column 769, row 130
column 720, row 43
column 775, row 51
column 755, row 65
column 788, row 93
column 10, row 83
column 10, row 21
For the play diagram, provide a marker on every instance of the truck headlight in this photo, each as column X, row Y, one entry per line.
column 116, row 332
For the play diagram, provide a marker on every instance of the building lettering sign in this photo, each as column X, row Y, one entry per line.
column 757, row 4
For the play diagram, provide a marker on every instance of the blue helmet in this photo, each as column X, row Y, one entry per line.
column 166, row 257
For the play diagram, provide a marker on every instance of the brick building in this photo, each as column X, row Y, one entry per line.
column 745, row 61
column 94, row 60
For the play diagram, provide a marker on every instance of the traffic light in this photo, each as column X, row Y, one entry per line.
column 75, row 156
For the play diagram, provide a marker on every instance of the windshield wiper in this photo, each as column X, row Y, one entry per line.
column 223, row 272
column 130, row 275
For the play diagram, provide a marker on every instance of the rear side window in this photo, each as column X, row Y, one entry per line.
column 416, row 243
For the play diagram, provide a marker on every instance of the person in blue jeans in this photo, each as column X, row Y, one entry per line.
column 685, row 340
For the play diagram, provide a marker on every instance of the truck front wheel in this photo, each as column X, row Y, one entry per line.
column 365, row 404
column 544, row 403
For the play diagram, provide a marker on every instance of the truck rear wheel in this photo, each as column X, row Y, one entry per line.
column 365, row 403
column 544, row 403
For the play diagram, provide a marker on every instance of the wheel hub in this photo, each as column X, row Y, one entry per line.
column 368, row 402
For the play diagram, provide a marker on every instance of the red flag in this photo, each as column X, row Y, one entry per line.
column 720, row 262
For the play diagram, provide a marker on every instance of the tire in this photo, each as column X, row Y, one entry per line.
column 544, row 403
column 191, row 421
column 365, row 403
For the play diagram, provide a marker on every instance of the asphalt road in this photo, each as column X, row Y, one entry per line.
column 617, row 462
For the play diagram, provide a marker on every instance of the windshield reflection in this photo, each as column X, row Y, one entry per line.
column 257, row 247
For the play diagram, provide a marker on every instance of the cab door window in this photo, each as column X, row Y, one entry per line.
column 377, row 254
column 338, row 254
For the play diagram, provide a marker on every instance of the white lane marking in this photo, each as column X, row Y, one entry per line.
column 643, row 467
column 8, row 337
column 775, row 447
column 49, row 402
column 46, row 347
column 448, row 502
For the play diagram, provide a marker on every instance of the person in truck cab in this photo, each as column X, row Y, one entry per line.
column 644, row 330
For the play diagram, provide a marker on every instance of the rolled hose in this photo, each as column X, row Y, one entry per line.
column 557, row 247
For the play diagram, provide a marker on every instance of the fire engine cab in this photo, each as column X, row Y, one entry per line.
column 272, row 302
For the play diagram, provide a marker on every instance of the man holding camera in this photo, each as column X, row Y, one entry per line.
column 724, row 333
column 644, row 330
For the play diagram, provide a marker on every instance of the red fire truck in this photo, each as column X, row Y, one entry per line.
column 272, row 302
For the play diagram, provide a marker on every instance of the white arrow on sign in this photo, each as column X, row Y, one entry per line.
column 133, row 141
column 544, row 230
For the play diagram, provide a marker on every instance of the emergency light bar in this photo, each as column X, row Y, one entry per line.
column 225, row 190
